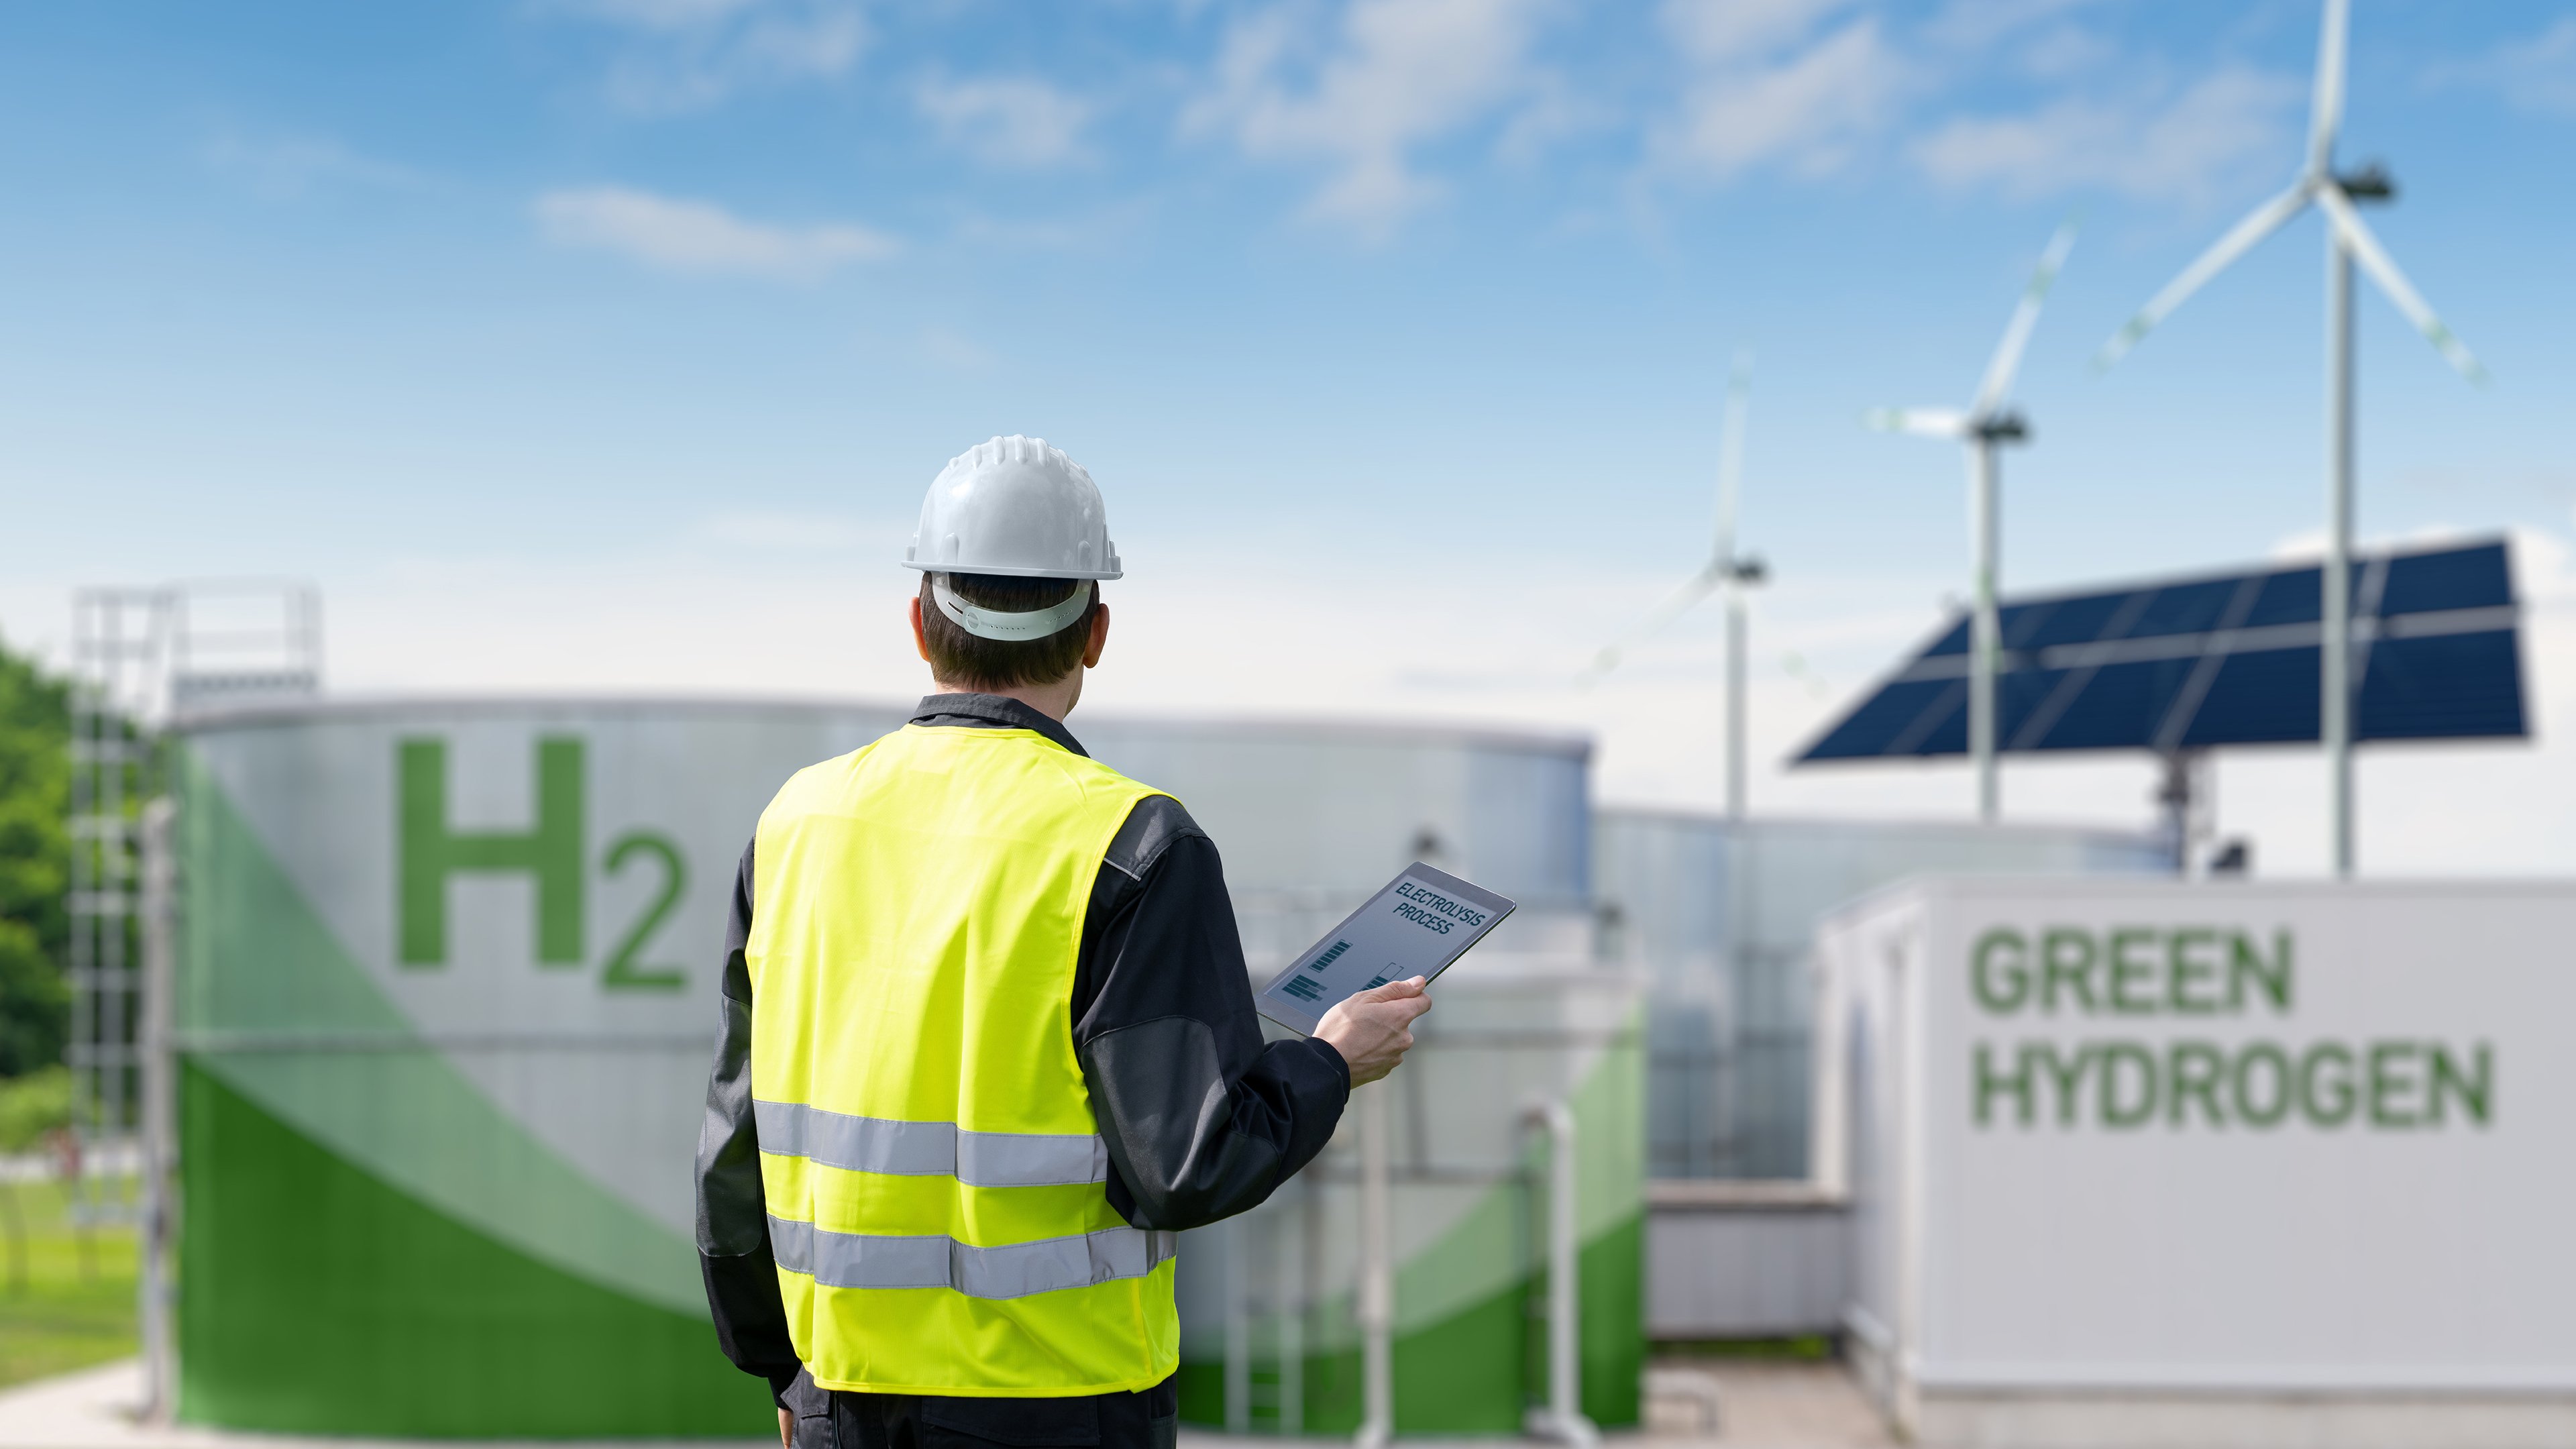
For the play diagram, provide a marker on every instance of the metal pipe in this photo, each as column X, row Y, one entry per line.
column 156, row 1289
column 1291, row 1309
column 1238, row 1326
column 2334, row 696
column 1562, row 1419
column 1377, row 1276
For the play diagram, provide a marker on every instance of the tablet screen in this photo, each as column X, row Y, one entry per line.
column 1423, row 920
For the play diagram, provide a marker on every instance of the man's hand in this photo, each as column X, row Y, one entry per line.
column 786, row 1429
column 1372, row 1028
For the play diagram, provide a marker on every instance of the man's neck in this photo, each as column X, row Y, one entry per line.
column 1055, row 701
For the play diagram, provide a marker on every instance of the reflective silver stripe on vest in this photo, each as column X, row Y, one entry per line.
column 929, row 1149
column 1015, row 1270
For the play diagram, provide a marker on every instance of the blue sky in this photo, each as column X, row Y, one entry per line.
column 609, row 343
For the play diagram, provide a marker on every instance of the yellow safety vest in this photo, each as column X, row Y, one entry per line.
column 932, row 1166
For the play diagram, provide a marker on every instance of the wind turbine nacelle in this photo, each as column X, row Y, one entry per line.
column 2370, row 183
column 2005, row 428
column 1749, row 570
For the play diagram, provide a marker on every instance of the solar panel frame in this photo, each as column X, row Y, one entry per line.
column 2212, row 660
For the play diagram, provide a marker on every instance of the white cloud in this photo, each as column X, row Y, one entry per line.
column 2308, row 544
column 2064, row 51
column 690, row 54
column 1721, row 31
column 2536, row 76
column 1391, row 77
column 1554, row 112
column 2187, row 148
column 677, row 235
column 1007, row 121
column 289, row 166
column 660, row 14
column 1750, row 103
column 1980, row 24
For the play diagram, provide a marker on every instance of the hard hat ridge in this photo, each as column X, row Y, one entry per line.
column 1015, row 507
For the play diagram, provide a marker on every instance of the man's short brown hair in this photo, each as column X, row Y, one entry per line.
column 958, row 657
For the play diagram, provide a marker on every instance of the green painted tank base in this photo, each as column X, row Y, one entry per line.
column 1474, row 1371
column 1614, row 1326
column 318, row 1300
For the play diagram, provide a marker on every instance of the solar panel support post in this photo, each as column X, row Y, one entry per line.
column 1985, row 642
column 2184, row 799
column 2334, row 694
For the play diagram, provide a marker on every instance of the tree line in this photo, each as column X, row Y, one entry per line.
column 35, row 863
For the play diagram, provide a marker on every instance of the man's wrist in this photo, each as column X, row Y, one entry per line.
column 1333, row 1054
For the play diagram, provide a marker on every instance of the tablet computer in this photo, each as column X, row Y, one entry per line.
column 1423, row 920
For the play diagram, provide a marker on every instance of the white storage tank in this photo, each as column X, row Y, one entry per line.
column 446, row 1001
column 1718, row 916
column 2146, row 1163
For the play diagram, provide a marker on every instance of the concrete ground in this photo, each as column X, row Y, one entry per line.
column 1769, row 1404
column 1757, row 1405
column 94, row 1409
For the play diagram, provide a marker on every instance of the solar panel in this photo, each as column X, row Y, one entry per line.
column 2185, row 664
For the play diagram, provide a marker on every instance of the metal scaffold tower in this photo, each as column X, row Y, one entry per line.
column 120, row 648
column 141, row 658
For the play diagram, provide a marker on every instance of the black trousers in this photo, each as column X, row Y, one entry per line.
column 1145, row 1419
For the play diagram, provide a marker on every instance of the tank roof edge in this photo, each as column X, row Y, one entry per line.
column 249, row 713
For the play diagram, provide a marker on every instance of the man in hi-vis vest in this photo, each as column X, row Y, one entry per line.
column 988, row 1041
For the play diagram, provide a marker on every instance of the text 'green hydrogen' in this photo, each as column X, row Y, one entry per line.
column 2204, row 974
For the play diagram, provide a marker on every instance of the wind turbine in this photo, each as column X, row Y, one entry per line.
column 1987, row 424
column 2347, row 241
column 1725, row 569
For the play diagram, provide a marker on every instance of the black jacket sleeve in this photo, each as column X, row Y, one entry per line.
column 733, row 1218
column 1202, row 1120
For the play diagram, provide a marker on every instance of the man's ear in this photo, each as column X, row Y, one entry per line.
column 1090, row 651
column 920, row 640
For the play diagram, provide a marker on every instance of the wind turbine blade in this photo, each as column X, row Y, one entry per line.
column 2007, row 359
column 2374, row 259
column 2325, row 115
column 1701, row 585
column 1730, row 459
column 1922, row 422
column 2259, row 223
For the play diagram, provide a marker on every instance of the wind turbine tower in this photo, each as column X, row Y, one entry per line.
column 1725, row 569
column 2347, row 241
column 1988, row 423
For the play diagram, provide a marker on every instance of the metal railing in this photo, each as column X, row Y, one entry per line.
column 138, row 657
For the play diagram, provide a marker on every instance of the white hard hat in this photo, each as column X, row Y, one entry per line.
column 1018, row 508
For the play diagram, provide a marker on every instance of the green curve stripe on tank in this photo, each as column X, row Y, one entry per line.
column 320, row 1299
column 1491, row 1243
column 260, row 959
column 1610, row 1134
column 1474, row 1371
column 1613, row 1324
column 256, row 956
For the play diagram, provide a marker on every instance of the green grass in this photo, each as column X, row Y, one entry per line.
column 75, row 1305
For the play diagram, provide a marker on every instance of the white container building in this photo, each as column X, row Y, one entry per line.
column 2140, row 1164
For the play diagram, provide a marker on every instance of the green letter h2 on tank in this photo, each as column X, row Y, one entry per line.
column 550, row 851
